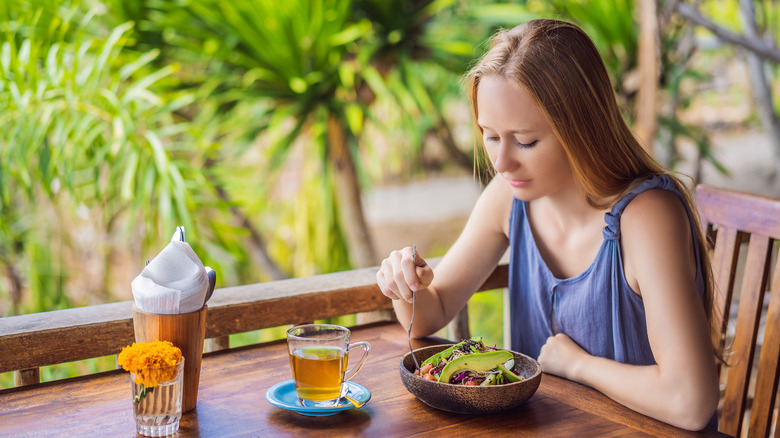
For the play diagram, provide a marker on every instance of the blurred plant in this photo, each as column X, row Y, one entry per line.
column 760, row 43
column 677, row 52
column 418, row 51
column 88, row 139
column 768, row 13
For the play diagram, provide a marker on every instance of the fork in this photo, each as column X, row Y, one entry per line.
column 409, row 334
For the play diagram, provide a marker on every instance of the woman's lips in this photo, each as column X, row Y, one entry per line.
column 518, row 183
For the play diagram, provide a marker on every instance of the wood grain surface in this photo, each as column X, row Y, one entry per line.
column 231, row 402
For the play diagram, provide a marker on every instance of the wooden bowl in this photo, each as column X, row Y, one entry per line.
column 463, row 399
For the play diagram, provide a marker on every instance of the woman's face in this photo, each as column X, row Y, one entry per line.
column 519, row 141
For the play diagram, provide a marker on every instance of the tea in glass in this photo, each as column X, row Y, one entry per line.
column 318, row 359
column 318, row 372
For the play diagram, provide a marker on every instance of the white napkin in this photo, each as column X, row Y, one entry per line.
column 173, row 282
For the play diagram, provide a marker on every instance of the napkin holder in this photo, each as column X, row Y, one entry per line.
column 184, row 330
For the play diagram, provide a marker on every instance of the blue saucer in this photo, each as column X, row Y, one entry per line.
column 283, row 395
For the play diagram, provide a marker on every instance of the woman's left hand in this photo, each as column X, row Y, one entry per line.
column 561, row 356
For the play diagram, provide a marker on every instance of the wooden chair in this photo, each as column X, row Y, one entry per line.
column 733, row 221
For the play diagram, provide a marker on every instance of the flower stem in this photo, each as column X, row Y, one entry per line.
column 144, row 391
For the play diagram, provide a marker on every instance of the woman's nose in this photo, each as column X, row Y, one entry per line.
column 503, row 160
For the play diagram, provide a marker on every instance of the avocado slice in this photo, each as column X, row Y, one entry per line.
column 436, row 358
column 510, row 376
column 479, row 362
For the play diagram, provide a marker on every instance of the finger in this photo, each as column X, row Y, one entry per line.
column 395, row 279
column 401, row 284
column 408, row 267
column 386, row 283
column 401, row 287
column 425, row 274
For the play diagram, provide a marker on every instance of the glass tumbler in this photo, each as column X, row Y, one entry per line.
column 157, row 410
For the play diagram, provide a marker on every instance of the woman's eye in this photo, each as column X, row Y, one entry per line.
column 527, row 145
column 492, row 139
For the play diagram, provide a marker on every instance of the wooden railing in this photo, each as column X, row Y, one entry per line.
column 28, row 342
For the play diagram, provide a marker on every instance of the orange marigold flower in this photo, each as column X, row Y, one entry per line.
column 151, row 362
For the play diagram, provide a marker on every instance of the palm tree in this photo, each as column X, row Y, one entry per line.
column 294, row 65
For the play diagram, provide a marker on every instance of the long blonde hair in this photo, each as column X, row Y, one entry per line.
column 560, row 67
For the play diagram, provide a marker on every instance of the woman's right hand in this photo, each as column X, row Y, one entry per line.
column 402, row 274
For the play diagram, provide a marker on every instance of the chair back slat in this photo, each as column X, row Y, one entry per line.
column 768, row 371
column 743, row 349
column 727, row 244
column 730, row 220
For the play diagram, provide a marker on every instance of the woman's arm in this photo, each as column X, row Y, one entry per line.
column 467, row 264
column 658, row 260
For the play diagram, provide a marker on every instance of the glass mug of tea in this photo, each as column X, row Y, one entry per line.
column 318, row 358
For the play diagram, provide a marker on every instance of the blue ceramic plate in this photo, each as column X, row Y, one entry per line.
column 283, row 395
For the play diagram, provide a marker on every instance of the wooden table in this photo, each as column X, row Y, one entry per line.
column 231, row 402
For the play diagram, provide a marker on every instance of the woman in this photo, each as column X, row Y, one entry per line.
column 609, row 281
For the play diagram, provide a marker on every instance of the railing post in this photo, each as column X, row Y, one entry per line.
column 217, row 344
column 364, row 318
column 507, row 323
column 29, row 376
column 459, row 326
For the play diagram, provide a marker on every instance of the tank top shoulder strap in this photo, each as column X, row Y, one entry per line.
column 612, row 218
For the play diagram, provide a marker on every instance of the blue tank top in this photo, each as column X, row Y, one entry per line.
column 596, row 308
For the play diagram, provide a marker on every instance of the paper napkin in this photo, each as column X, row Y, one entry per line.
column 173, row 282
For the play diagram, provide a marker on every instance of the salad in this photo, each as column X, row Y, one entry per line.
column 470, row 363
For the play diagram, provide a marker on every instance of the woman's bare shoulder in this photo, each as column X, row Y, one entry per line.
column 656, row 238
column 495, row 204
column 652, row 206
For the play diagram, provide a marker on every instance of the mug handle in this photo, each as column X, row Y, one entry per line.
column 366, row 348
